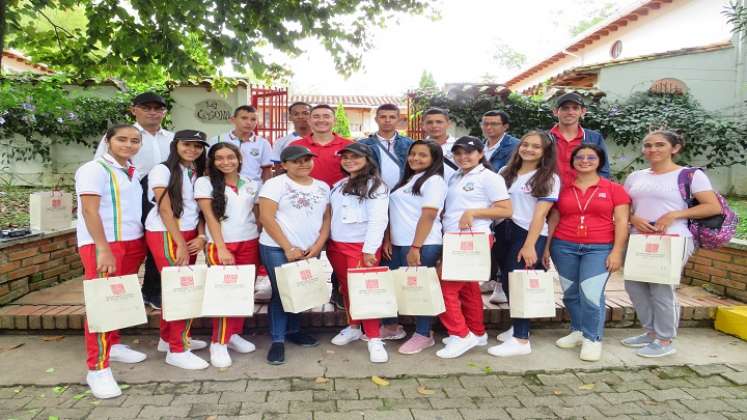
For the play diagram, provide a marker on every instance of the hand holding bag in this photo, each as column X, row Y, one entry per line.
column 466, row 257
column 113, row 303
column 229, row 291
column 371, row 293
column 301, row 285
column 655, row 258
column 183, row 289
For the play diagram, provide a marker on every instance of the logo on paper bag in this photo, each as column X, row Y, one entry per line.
column 652, row 247
column 372, row 284
column 230, row 278
column 56, row 202
column 118, row 289
column 305, row 274
column 467, row 246
column 534, row 283
column 187, row 281
column 412, row 281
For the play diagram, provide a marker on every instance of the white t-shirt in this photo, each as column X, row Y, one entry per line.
column 256, row 153
column 477, row 189
column 405, row 209
column 655, row 195
column 446, row 149
column 154, row 149
column 359, row 221
column 239, row 223
column 390, row 170
column 121, row 202
column 300, row 212
column 524, row 203
column 159, row 177
column 282, row 143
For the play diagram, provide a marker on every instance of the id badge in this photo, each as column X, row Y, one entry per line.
column 582, row 231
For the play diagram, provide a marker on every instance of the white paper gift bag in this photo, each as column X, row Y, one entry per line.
column 183, row 289
column 50, row 210
column 531, row 294
column 418, row 291
column 113, row 303
column 371, row 293
column 466, row 257
column 655, row 258
column 302, row 285
column 229, row 291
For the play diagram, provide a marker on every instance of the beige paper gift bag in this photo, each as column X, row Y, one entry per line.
column 302, row 285
column 466, row 257
column 531, row 294
column 655, row 258
column 113, row 303
column 371, row 293
column 229, row 291
column 183, row 289
column 418, row 291
column 50, row 210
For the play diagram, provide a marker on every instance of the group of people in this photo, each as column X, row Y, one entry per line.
column 544, row 199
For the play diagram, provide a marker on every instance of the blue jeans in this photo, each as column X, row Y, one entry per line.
column 509, row 239
column 281, row 322
column 583, row 276
column 429, row 256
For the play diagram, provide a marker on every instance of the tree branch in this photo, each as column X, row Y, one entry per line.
column 56, row 28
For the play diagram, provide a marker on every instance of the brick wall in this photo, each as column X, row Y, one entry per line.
column 722, row 270
column 30, row 264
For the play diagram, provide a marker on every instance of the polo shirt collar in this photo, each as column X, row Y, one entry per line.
column 602, row 183
column 336, row 140
column 475, row 171
column 236, row 138
column 555, row 130
column 108, row 158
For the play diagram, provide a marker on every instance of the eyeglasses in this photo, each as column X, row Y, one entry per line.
column 492, row 124
column 582, row 158
column 158, row 109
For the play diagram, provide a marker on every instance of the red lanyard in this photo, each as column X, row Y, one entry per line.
column 581, row 230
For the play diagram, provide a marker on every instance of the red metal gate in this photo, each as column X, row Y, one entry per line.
column 272, row 108
column 414, row 129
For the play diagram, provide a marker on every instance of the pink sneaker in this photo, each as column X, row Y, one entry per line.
column 417, row 343
column 389, row 332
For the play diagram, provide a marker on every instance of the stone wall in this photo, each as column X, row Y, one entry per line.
column 723, row 270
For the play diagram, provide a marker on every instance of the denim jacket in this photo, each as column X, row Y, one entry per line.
column 401, row 147
column 500, row 156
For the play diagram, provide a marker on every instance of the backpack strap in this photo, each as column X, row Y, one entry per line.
column 388, row 153
column 684, row 181
column 450, row 164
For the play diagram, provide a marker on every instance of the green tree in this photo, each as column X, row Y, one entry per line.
column 427, row 81
column 192, row 38
column 507, row 57
column 342, row 125
column 595, row 16
column 736, row 16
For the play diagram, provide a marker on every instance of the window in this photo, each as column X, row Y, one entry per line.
column 617, row 49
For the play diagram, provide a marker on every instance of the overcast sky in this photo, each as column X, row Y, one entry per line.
column 457, row 48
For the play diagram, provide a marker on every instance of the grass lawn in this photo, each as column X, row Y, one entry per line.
column 739, row 205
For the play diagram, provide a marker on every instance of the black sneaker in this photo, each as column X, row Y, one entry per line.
column 302, row 339
column 154, row 302
column 335, row 298
column 276, row 355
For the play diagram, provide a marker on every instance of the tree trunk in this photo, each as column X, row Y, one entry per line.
column 3, row 5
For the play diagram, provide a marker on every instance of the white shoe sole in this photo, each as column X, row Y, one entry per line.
column 654, row 356
column 175, row 364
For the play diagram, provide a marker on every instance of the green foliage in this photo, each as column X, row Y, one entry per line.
column 44, row 113
column 159, row 40
column 739, row 205
column 595, row 16
column 712, row 140
column 427, row 81
column 736, row 16
column 507, row 57
column 342, row 125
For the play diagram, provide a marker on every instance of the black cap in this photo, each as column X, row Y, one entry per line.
column 294, row 152
column 191, row 135
column 148, row 98
column 359, row 149
column 468, row 143
column 569, row 97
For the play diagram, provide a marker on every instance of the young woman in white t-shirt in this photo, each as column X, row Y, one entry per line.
column 414, row 236
column 534, row 187
column 360, row 206
column 476, row 196
column 174, row 233
column 658, row 208
column 228, row 203
column 110, row 241
column 295, row 215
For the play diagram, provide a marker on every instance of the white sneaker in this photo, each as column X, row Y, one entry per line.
column 591, row 351
column 102, row 384
column 219, row 355
column 488, row 286
column 376, row 351
column 498, row 296
column 457, row 346
column 506, row 335
column 510, row 347
column 572, row 340
column 124, row 354
column 347, row 336
column 186, row 360
column 240, row 345
column 482, row 340
column 194, row 344
column 262, row 289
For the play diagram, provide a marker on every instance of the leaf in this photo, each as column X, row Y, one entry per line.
column 587, row 387
column 487, row 369
column 211, row 417
column 59, row 389
column 79, row 397
column 53, row 338
column 13, row 347
column 321, row 380
column 125, row 386
column 53, row 418
column 379, row 381
column 136, row 341
column 422, row 390
column 557, row 392
column 50, row 370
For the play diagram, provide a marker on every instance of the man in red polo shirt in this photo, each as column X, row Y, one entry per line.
column 568, row 134
column 324, row 144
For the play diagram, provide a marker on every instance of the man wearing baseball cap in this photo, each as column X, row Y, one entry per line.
column 568, row 134
column 149, row 110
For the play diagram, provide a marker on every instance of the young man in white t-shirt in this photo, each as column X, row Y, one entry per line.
column 298, row 114
column 436, row 125
column 256, row 151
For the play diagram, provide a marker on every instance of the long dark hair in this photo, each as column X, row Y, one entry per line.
column 542, row 181
column 359, row 185
column 218, row 180
column 174, row 189
column 436, row 168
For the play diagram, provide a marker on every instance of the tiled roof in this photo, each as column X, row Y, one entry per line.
column 353, row 101
column 40, row 68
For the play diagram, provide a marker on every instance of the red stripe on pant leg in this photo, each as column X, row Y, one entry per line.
column 453, row 319
column 472, row 307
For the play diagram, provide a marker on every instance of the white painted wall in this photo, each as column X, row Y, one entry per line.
column 682, row 24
